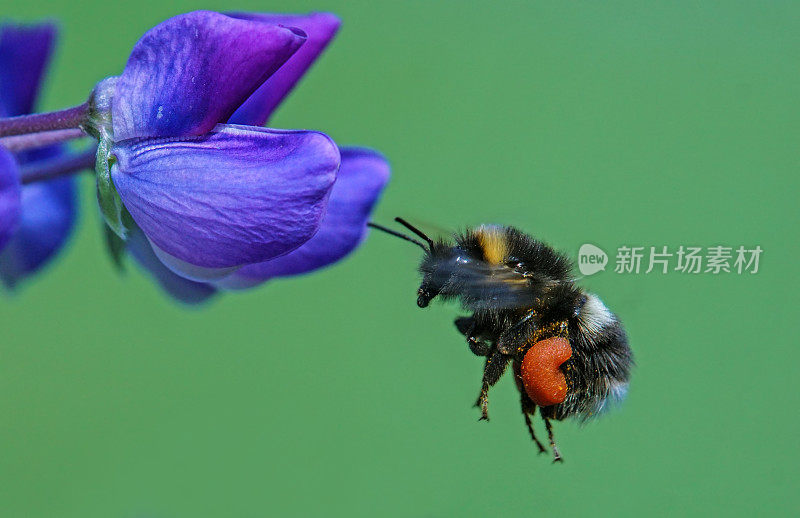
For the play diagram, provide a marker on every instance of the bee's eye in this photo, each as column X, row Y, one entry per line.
column 516, row 264
column 542, row 378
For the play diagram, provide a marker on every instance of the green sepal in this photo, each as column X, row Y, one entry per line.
column 111, row 206
column 115, row 246
column 98, row 123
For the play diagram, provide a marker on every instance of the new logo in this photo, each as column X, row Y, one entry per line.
column 591, row 259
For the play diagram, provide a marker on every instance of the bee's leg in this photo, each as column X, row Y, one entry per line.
column 468, row 327
column 465, row 325
column 556, row 455
column 515, row 337
column 527, row 406
column 528, row 410
column 492, row 371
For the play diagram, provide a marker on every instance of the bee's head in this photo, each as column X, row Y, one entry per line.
column 438, row 268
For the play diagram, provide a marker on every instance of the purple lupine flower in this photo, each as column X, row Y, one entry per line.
column 192, row 71
column 362, row 176
column 9, row 196
column 180, row 288
column 236, row 196
column 359, row 183
column 361, row 179
column 212, row 197
column 47, row 219
column 46, row 209
column 24, row 54
column 320, row 28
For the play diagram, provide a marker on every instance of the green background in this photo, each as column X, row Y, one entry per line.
column 648, row 124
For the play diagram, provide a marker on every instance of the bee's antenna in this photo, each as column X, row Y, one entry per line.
column 396, row 234
column 415, row 230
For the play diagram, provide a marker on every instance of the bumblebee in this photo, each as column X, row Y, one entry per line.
column 568, row 353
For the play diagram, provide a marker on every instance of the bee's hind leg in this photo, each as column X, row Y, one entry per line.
column 556, row 455
column 528, row 410
column 492, row 371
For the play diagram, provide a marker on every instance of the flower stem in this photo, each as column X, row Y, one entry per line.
column 59, row 166
column 43, row 138
column 37, row 122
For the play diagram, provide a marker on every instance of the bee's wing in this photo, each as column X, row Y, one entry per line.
column 483, row 285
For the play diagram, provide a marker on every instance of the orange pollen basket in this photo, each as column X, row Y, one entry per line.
column 544, row 382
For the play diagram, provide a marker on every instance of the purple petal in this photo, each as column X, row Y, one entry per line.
column 188, row 270
column 9, row 196
column 362, row 177
column 47, row 219
column 24, row 53
column 184, row 290
column 320, row 28
column 236, row 196
column 192, row 71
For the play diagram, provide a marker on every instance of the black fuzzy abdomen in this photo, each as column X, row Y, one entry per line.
column 598, row 371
